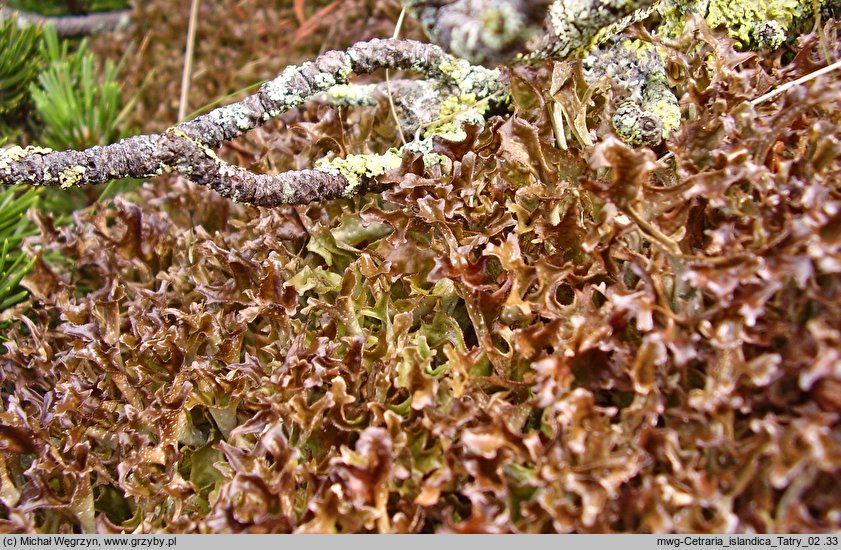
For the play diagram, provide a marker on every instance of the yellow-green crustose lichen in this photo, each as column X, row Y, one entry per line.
column 647, row 109
column 673, row 15
column 749, row 20
column 71, row 176
column 68, row 177
column 352, row 95
column 472, row 79
column 16, row 152
column 757, row 24
column 659, row 100
column 460, row 98
column 455, row 112
column 356, row 167
column 573, row 29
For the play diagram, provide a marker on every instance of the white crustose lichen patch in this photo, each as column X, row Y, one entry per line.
column 324, row 80
column 235, row 113
column 278, row 90
column 226, row 170
column 281, row 91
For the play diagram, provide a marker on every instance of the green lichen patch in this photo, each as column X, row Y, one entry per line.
column 455, row 112
column 757, row 23
column 71, row 176
column 355, row 168
column 352, row 95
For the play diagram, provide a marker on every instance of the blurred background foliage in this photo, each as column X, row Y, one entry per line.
column 55, row 7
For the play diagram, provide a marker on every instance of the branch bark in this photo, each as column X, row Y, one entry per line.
column 73, row 25
column 188, row 147
column 481, row 31
column 497, row 31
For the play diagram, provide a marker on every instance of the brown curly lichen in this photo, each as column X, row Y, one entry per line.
column 519, row 339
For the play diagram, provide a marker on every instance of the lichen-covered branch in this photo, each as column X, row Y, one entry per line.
column 573, row 27
column 495, row 31
column 188, row 147
column 73, row 25
column 756, row 24
column 482, row 31
column 647, row 109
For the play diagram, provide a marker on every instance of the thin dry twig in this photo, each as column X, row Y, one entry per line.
column 187, row 75
column 396, row 34
column 788, row 85
column 73, row 25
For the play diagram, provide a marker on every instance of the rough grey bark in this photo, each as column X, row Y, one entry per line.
column 574, row 26
column 74, row 25
column 481, row 31
column 188, row 147
column 497, row 31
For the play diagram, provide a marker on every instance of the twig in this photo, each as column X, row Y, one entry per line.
column 187, row 75
column 188, row 147
column 788, row 85
column 397, row 28
column 73, row 25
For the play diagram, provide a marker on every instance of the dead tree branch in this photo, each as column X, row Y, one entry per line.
column 574, row 26
column 496, row 31
column 188, row 147
column 482, row 31
column 73, row 25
